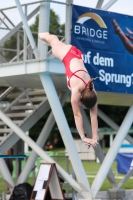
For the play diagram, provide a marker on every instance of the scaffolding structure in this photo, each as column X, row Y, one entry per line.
column 33, row 69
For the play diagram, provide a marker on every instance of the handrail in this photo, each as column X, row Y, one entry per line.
column 6, row 92
column 36, row 2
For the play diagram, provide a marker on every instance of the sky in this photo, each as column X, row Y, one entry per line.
column 120, row 6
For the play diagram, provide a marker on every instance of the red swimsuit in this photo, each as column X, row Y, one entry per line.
column 73, row 53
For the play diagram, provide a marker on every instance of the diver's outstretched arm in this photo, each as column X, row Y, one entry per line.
column 124, row 37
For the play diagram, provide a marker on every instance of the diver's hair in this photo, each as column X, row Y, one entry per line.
column 89, row 96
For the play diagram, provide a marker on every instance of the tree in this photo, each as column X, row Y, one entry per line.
column 54, row 28
column 116, row 113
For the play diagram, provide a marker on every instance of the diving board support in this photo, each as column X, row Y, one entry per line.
column 68, row 21
column 65, row 132
column 98, row 150
column 113, row 125
column 6, row 175
column 58, row 112
column 27, row 29
column 99, row 4
column 43, row 27
column 127, row 176
column 108, row 5
column 109, row 158
column 40, row 142
column 39, row 150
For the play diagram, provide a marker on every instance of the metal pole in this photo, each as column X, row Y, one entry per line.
column 128, row 175
column 44, row 19
column 103, row 171
column 40, row 142
column 6, row 175
column 38, row 150
column 74, row 195
column 112, row 124
column 111, row 139
column 65, row 132
column 19, row 54
column 18, row 45
column 99, row 3
column 99, row 151
column 68, row 21
column 67, row 169
column 108, row 5
column 25, row 38
column 27, row 29
column 14, row 30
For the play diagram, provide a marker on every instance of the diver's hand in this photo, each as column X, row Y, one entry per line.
column 90, row 142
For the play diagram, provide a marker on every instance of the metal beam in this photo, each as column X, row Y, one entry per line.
column 40, row 142
column 2, row 20
column 109, row 158
column 5, row 24
column 113, row 125
column 20, row 53
column 108, row 5
column 7, row 18
column 32, row 3
column 68, row 21
column 65, row 133
column 128, row 175
column 6, row 175
column 99, row 3
column 26, row 27
column 13, row 31
column 25, row 126
column 2, row 59
column 25, row 39
column 39, row 150
column 32, row 66
column 44, row 27
column 98, row 150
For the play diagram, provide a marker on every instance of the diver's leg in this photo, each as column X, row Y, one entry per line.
column 126, row 42
column 47, row 38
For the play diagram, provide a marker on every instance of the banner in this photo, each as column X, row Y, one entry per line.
column 105, row 39
column 124, row 162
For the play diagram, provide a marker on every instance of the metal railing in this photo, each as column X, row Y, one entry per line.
column 22, row 50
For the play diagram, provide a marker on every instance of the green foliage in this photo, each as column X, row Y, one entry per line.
column 69, row 114
column 36, row 129
column 116, row 113
column 54, row 28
